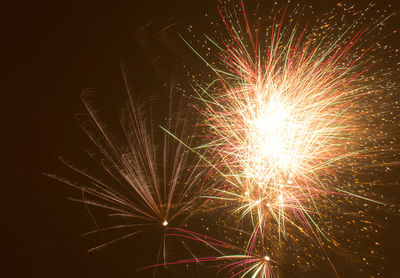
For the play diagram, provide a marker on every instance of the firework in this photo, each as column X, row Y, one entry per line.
column 142, row 186
column 282, row 117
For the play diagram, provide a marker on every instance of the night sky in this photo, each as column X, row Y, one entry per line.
column 53, row 49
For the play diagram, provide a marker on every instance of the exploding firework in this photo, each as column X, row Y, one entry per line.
column 265, row 157
column 284, row 114
column 281, row 120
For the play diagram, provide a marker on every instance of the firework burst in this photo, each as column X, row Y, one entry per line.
column 282, row 118
column 143, row 187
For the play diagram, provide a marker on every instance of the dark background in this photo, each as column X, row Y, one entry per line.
column 51, row 50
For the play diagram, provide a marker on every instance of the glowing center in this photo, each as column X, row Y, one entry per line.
column 273, row 138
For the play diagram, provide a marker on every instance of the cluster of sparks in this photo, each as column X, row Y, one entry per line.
column 279, row 118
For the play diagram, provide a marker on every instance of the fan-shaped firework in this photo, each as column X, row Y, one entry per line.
column 143, row 186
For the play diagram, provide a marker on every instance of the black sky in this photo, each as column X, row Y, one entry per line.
column 51, row 50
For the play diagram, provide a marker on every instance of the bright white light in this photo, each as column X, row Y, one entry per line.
column 165, row 223
column 267, row 258
column 273, row 138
